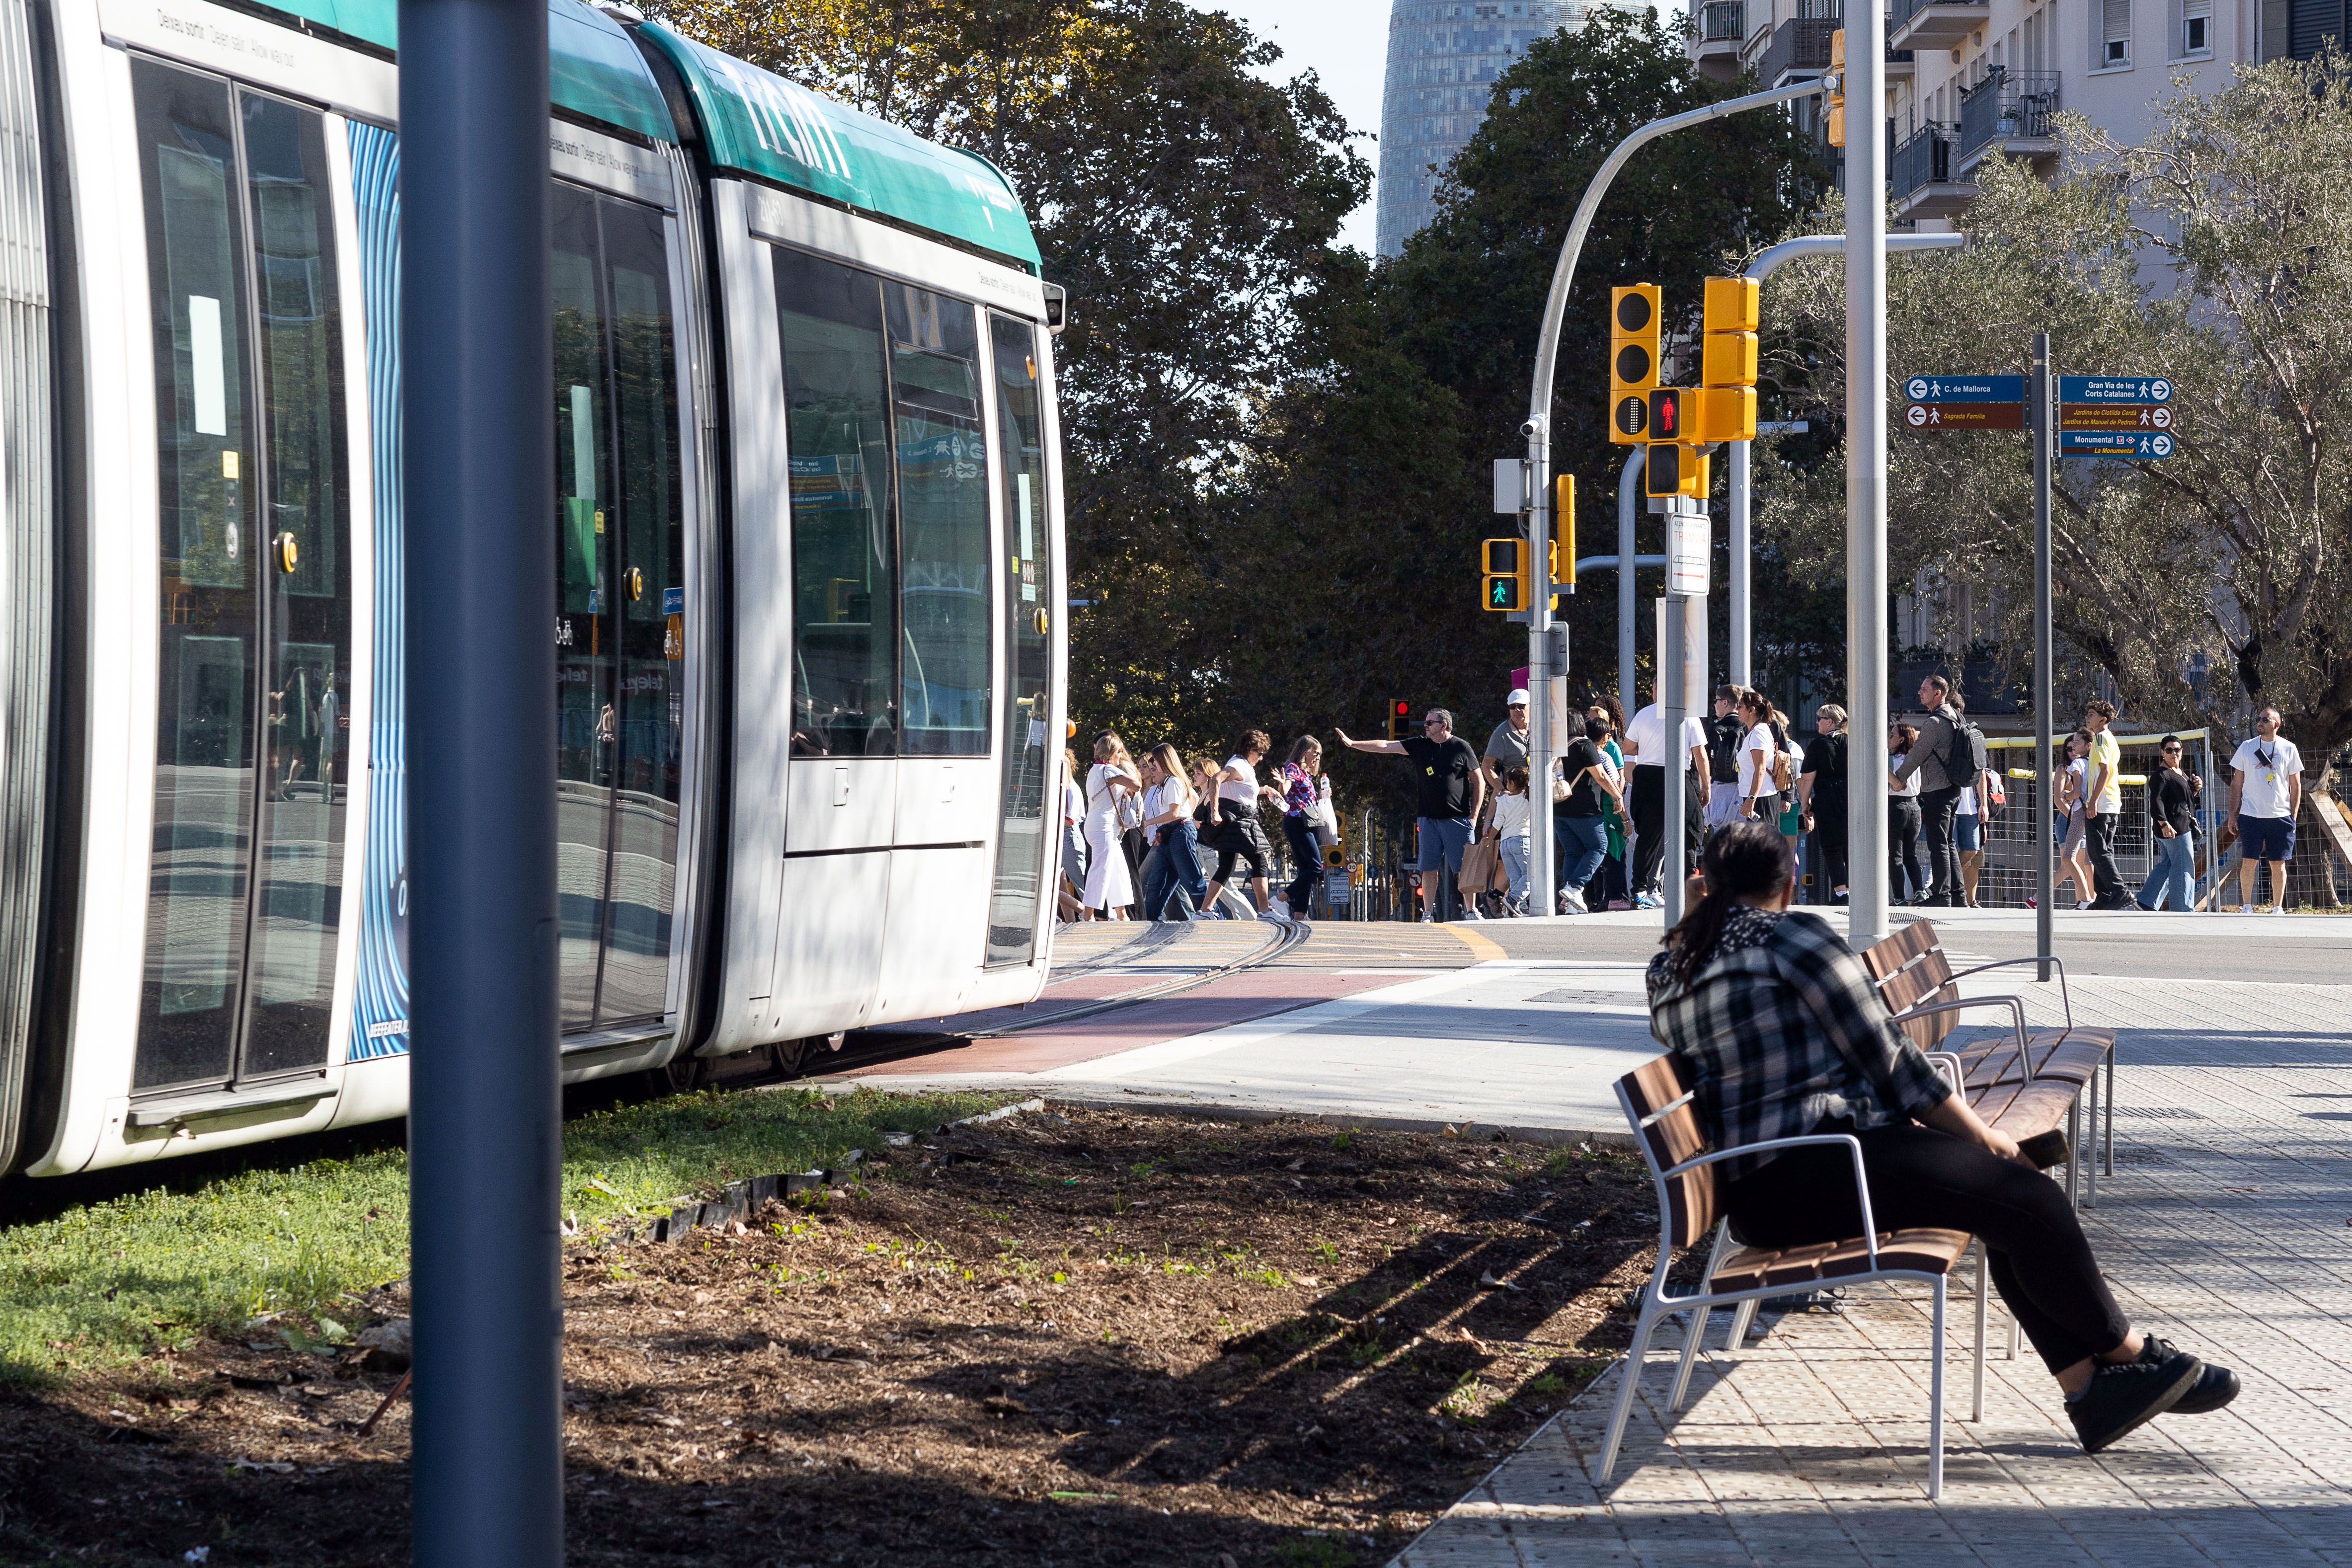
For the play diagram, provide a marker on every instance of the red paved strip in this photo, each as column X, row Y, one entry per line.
column 1234, row 999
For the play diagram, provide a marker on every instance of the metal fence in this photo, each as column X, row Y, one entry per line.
column 2007, row 878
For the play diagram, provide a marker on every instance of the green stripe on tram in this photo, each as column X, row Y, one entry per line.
column 763, row 125
column 593, row 70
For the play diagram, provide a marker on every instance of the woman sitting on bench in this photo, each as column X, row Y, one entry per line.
column 1778, row 1026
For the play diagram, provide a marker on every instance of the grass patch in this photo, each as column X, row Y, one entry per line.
column 145, row 1273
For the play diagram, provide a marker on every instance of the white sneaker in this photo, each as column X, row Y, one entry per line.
column 1572, row 901
column 1470, row 912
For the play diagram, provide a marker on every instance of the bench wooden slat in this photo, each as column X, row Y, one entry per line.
column 1926, row 1250
column 1655, row 1085
column 1883, row 958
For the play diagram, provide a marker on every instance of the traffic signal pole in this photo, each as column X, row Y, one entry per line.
column 1865, row 476
column 1543, row 884
column 1769, row 260
column 477, row 466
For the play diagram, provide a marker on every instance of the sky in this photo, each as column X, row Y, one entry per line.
column 1346, row 42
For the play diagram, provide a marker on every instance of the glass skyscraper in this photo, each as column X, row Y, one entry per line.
column 1444, row 57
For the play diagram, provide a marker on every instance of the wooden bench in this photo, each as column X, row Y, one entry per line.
column 2023, row 1081
column 1657, row 1102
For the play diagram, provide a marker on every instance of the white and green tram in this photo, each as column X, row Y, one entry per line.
column 807, row 543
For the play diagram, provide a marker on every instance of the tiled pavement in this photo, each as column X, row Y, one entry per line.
column 2226, row 1226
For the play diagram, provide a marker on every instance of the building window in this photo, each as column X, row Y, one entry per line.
column 2196, row 27
column 2114, row 33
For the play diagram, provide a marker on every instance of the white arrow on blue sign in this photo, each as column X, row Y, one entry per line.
column 2114, row 444
column 1965, row 389
column 2113, row 389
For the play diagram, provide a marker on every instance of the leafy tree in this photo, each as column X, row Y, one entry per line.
column 2218, row 254
column 1191, row 209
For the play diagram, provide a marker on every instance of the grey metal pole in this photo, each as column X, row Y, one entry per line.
column 477, row 467
column 1865, row 473
column 1543, row 745
column 1673, row 708
column 1769, row 260
column 1736, row 655
column 2045, row 712
column 1629, row 491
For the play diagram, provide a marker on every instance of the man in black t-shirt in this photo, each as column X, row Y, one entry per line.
column 1724, row 734
column 1822, row 796
column 1449, row 790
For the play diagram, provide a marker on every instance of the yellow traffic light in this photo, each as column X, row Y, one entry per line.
column 1634, row 322
column 1505, row 574
column 1675, row 469
column 1563, row 530
column 1724, row 406
column 1837, row 88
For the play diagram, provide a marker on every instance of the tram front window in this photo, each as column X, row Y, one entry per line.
column 943, row 523
column 837, row 429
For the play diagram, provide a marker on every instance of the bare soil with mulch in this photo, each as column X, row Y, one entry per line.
column 1075, row 1337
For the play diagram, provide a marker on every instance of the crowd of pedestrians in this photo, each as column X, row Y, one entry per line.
column 1136, row 836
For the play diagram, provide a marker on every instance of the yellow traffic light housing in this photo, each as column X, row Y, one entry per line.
column 1635, row 321
column 1724, row 406
column 1675, row 469
column 1505, row 575
column 1836, row 79
column 1400, row 718
column 1563, row 530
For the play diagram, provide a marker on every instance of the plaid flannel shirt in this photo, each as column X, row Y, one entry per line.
column 1782, row 1029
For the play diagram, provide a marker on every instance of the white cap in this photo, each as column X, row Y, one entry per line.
column 1517, row 699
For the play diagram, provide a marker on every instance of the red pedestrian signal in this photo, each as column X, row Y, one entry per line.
column 1400, row 719
column 1666, row 414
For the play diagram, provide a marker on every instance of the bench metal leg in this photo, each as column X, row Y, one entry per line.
column 1976, row 1401
column 2090, row 1157
column 2110, row 1135
column 1625, row 1389
column 2074, row 1153
column 1743, row 1317
column 1935, row 1403
column 2012, row 1337
column 1699, row 1317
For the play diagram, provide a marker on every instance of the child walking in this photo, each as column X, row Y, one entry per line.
column 1514, row 829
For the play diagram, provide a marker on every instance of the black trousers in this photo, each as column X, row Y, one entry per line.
column 1649, row 802
column 1903, row 846
column 2040, row 1260
column 1831, row 836
column 1937, row 808
column 1306, row 859
column 2099, row 846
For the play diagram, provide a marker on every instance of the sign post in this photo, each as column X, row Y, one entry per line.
column 2045, row 719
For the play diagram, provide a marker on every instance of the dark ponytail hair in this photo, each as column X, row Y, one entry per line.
column 1742, row 860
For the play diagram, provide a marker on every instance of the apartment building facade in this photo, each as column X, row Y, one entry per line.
column 1967, row 78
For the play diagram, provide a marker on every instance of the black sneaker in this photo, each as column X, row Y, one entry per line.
column 2123, row 1398
column 2214, row 1388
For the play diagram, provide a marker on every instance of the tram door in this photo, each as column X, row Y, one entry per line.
column 620, row 608
column 252, row 683
column 1022, row 868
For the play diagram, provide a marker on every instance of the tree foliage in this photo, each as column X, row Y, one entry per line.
column 2217, row 254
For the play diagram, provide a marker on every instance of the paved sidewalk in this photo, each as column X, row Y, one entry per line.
column 2226, row 1226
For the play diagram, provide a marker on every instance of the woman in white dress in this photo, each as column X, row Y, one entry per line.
column 1109, row 888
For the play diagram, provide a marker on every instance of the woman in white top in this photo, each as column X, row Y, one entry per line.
column 1758, row 797
column 2073, row 783
column 1109, row 888
column 1903, row 822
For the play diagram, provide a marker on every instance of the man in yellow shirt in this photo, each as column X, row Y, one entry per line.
column 2103, row 807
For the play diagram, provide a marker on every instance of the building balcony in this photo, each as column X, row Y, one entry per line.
column 1798, row 49
column 1935, row 24
column 2009, row 112
column 1719, row 29
column 1900, row 67
column 1921, row 178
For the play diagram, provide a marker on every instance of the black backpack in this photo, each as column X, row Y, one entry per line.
column 1965, row 732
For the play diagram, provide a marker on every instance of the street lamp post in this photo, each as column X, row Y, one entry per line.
column 477, row 463
column 1537, row 431
column 1865, row 473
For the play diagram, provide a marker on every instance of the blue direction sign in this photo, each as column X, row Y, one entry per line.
column 2115, row 444
column 2113, row 389
column 1964, row 389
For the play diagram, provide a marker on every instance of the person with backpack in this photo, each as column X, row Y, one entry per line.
column 1820, row 788
column 1945, row 759
column 1724, row 734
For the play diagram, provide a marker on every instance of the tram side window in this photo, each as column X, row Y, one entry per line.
column 836, row 395
column 942, row 523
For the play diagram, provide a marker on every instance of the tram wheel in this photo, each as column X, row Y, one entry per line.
column 792, row 1056
column 686, row 1074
